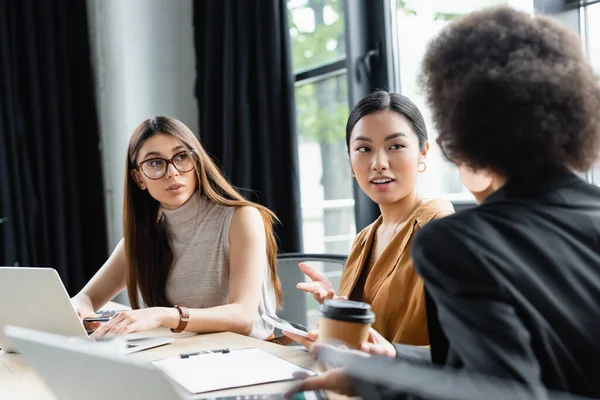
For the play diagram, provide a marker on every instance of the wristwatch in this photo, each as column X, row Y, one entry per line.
column 184, row 317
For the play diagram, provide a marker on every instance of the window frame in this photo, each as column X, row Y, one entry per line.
column 364, row 30
column 574, row 16
column 379, row 27
column 369, row 28
column 565, row 5
column 320, row 72
column 367, row 31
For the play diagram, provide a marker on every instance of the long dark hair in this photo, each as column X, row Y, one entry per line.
column 149, row 255
column 381, row 101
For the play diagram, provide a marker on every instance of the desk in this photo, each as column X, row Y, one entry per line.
column 18, row 381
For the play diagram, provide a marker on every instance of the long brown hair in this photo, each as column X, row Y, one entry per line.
column 149, row 255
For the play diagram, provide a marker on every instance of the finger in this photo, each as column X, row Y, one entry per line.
column 316, row 289
column 371, row 338
column 98, row 333
column 313, row 383
column 300, row 375
column 133, row 327
column 293, row 336
column 320, row 295
column 313, row 334
column 311, row 272
column 106, row 327
column 368, row 348
column 119, row 328
column 375, row 350
column 101, row 330
column 306, row 342
column 377, row 337
column 310, row 286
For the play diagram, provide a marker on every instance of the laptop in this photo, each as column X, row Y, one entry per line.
column 72, row 368
column 36, row 298
column 84, row 363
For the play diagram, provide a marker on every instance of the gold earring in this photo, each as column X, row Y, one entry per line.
column 424, row 167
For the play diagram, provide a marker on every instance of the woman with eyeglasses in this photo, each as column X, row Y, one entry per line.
column 196, row 256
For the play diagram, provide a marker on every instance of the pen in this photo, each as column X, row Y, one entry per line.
column 188, row 355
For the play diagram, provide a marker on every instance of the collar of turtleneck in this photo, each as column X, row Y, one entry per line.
column 187, row 212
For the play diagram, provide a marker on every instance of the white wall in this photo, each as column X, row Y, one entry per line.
column 144, row 64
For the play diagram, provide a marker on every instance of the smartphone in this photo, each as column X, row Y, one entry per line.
column 285, row 325
column 97, row 319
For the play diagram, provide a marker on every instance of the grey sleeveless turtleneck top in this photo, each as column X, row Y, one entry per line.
column 199, row 236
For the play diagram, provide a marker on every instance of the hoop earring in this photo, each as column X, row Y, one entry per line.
column 424, row 167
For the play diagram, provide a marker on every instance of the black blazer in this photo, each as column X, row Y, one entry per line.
column 513, row 285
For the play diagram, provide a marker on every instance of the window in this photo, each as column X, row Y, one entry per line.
column 317, row 34
column 589, row 29
column 414, row 23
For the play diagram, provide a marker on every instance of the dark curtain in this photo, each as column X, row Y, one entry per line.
column 50, row 170
column 245, row 92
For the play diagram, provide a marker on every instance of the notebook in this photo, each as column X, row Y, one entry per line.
column 236, row 368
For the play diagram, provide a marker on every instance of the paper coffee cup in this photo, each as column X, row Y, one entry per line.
column 345, row 321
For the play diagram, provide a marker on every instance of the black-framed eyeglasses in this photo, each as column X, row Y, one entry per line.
column 156, row 168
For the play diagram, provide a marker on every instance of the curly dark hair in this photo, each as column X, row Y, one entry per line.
column 513, row 94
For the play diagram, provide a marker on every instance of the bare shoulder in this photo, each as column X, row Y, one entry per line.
column 246, row 219
column 247, row 213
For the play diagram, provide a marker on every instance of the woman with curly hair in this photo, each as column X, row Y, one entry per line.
column 513, row 285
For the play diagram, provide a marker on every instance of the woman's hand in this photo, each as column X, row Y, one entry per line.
column 87, row 313
column 377, row 345
column 125, row 322
column 307, row 342
column 320, row 287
